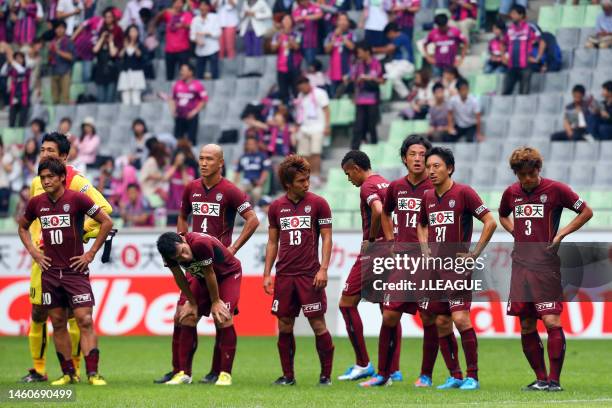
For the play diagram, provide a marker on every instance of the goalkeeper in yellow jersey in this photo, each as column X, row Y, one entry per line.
column 57, row 145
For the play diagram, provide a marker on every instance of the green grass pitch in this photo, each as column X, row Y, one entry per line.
column 131, row 363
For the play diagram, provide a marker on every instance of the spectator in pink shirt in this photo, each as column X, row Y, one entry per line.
column 286, row 43
column 495, row 63
column 188, row 98
column 26, row 15
column 464, row 15
column 181, row 172
column 446, row 41
column 339, row 44
column 306, row 17
column 177, row 36
column 229, row 20
column 88, row 143
column 84, row 39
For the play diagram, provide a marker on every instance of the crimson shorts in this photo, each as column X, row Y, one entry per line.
column 66, row 288
column 354, row 281
column 229, row 292
column 295, row 292
column 536, row 292
column 402, row 307
column 447, row 302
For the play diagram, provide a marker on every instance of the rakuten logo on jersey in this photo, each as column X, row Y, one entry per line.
column 529, row 211
column 292, row 223
column 209, row 209
column 408, row 204
column 441, row 218
column 55, row 221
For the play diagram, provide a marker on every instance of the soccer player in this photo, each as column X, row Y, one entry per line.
column 530, row 210
column 56, row 145
column 372, row 189
column 296, row 221
column 446, row 223
column 399, row 222
column 212, row 201
column 65, row 278
column 214, row 287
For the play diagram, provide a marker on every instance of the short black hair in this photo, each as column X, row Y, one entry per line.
column 363, row 45
column 55, row 166
column 441, row 20
column 40, row 123
column 59, row 23
column 62, row 142
column 413, row 140
column 437, row 85
column 607, row 86
column 579, row 88
column 133, row 185
column 519, row 9
column 207, row 2
column 461, row 83
column 501, row 24
column 302, row 80
column 139, row 121
column 166, row 244
column 66, row 119
column 317, row 65
column 444, row 153
column 391, row 27
column 359, row 158
column 188, row 65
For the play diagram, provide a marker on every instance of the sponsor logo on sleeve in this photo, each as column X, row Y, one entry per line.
column 55, row 221
column 578, row 203
column 529, row 211
column 93, row 210
column 408, row 204
column 441, row 218
column 209, row 209
column 480, row 209
column 293, row 223
column 371, row 198
column 325, row 221
column 244, row 206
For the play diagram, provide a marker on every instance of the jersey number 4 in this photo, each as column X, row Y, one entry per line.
column 295, row 237
column 204, row 225
column 57, row 237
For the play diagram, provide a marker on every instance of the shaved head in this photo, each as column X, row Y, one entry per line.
column 211, row 160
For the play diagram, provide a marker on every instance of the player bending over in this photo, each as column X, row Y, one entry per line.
column 215, row 288
column 65, row 273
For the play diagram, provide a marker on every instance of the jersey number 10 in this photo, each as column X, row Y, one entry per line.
column 57, row 237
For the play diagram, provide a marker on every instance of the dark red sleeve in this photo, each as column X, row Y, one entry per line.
column 389, row 205
column 30, row 211
column 504, row 204
column 239, row 200
column 87, row 205
column 203, row 250
column 369, row 193
column 324, row 214
column 569, row 199
column 185, row 202
column 272, row 217
column 423, row 213
column 474, row 203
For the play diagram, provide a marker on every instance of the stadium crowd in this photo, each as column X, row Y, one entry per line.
column 363, row 44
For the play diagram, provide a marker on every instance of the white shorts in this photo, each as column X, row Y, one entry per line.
column 309, row 143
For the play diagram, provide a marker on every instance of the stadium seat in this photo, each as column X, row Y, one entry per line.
column 462, row 174
column 556, row 81
column 605, row 150
column 465, row 152
column 337, row 179
column 572, row 16
column 501, row 105
column 603, row 177
column 585, row 33
column 107, row 112
column 584, row 58
column 374, row 152
column 488, row 152
column 247, row 88
column 76, row 90
column 86, row 110
column 12, row 136
column 484, row 84
column 563, row 151
column 599, row 77
column 604, row 60
column 503, row 177
column 567, row 58
column 550, row 104
column 386, row 91
column 253, row 65
column 64, row 111
column 525, row 104
column 599, row 199
column 77, row 72
column 495, row 128
column 342, row 112
column 482, row 177
column 543, row 146
column 492, row 5
column 549, row 18
column 556, row 171
column 342, row 220
column 568, row 37
column 215, row 112
column 591, row 13
column 581, row 176
column 519, row 128
column 580, row 76
column 586, row 152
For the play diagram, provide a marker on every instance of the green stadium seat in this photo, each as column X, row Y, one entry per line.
column 77, row 72
column 336, row 179
column 374, row 152
column 76, row 90
column 486, row 198
column 572, row 16
column 601, row 219
column 549, row 18
column 399, row 130
column 494, row 199
column 12, row 136
column 600, row 200
column 590, row 15
column 342, row 220
column 386, row 91
column 155, row 201
column 342, row 112
column 346, row 202
column 420, row 126
column 492, row 5
column 484, row 84
column 46, row 95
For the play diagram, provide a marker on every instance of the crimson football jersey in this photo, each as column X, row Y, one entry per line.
column 373, row 188
column 61, row 224
column 214, row 210
column 208, row 250
column 449, row 218
column 404, row 199
column 299, row 225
